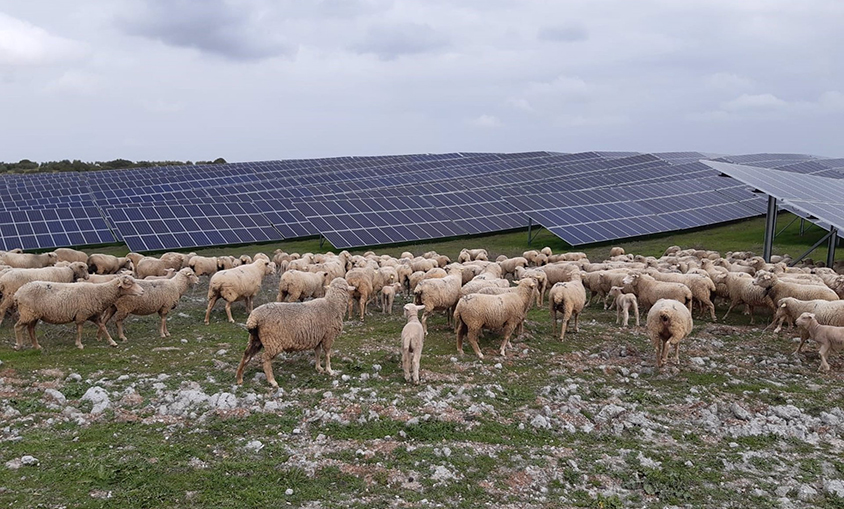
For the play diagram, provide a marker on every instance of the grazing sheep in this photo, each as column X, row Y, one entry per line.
column 475, row 312
column 702, row 287
column 476, row 284
column 388, row 295
column 227, row 262
column 777, row 289
column 412, row 340
column 467, row 255
column 149, row 266
column 239, row 283
column 569, row 298
column 13, row 279
column 107, row 264
column 510, row 265
column 648, row 290
column 28, row 260
column 439, row 294
column 176, row 261
column 296, row 285
column 203, row 265
column 541, row 279
column 169, row 273
column 293, row 326
column 827, row 312
column 494, row 290
column 616, row 251
column 160, row 296
column 668, row 323
column 623, row 303
column 363, row 280
column 135, row 258
column 68, row 302
column 65, row 254
column 741, row 290
column 828, row 337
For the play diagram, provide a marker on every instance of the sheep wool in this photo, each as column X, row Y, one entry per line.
column 412, row 340
column 828, row 337
column 668, row 323
column 13, row 279
column 569, row 298
column 240, row 283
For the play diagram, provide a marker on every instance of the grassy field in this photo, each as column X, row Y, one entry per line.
column 588, row 422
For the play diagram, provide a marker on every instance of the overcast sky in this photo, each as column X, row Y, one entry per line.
column 272, row 79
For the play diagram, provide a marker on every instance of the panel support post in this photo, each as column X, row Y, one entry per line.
column 802, row 226
column 830, row 253
column 770, row 228
column 530, row 225
column 321, row 240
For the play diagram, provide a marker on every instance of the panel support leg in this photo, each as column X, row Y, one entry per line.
column 321, row 240
column 830, row 253
column 770, row 228
column 802, row 226
column 530, row 225
column 818, row 243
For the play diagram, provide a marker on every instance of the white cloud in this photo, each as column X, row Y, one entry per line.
column 23, row 44
column 831, row 100
column 162, row 106
column 75, row 82
column 486, row 121
column 561, row 87
column 728, row 81
column 563, row 33
column 520, row 103
column 754, row 102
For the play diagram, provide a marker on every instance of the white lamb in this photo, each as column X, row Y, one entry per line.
column 412, row 340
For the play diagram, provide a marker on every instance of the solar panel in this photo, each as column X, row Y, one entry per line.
column 51, row 228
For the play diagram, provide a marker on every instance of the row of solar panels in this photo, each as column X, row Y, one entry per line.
column 584, row 197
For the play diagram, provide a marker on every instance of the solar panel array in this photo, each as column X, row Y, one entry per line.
column 363, row 201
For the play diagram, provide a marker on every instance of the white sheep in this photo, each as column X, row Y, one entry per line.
column 439, row 294
column 204, row 266
column 388, row 295
column 741, row 290
column 99, row 263
column 293, row 326
column 65, row 254
column 828, row 337
column 623, row 303
column 28, row 260
column 68, row 302
column 475, row 312
column 668, row 323
column 12, row 279
column 412, row 340
column 777, row 289
column 150, row 266
column 569, row 298
column 160, row 296
column 239, row 283
column 648, row 290
column 295, row 285
column 702, row 287
column 827, row 312
column 509, row 265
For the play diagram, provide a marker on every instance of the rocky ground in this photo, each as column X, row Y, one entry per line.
column 590, row 423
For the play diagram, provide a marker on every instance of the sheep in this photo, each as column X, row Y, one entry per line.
column 648, row 290
column 475, row 312
column 509, row 265
column 530, row 256
column 388, row 295
column 546, row 251
column 467, row 255
column 28, row 260
column 176, row 261
column 668, row 323
column 404, row 270
column 13, row 279
column 569, row 298
column 623, row 303
column 149, row 266
column 367, row 283
column 107, row 264
column 103, row 278
column 495, row 290
column 168, row 273
column 439, row 294
column 616, row 251
column 541, row 282
column 777, row 289
column 204, row 266
column 295, row 285
column 702, row 287
column 227, row 262
column 160, row 296
column 741, row 290
column 65, row 254
column 68, row 302
column 476, row 284
column 828, row 337
column 239, row 283
column 293, row 326
column 412, row 340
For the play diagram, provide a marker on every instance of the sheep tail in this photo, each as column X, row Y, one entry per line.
column 417, row 296
column 255, row 344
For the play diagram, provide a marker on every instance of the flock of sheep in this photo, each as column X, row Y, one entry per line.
column 318, row 291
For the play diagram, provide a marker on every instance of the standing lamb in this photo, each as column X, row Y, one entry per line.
column 68, row 302
column 239, row 283
column 412, row 340
column 476, row 311
column 388, row 295
column 623, row 303
column 293, row 326
column 828, row 337
column 160, row 296
column 668, row 323
column 569, row 298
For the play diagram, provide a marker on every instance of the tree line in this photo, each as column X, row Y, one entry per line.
column 27, row 166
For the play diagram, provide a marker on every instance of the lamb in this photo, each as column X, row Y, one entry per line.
column 668, row 323
column 828, row 337
column 412, row 340
column 741, row 290
column 546, row 251
column 475, row 312
column 292, row 326
column 388, row 295
column 648, row 290
column 239, row 283
column 28, row 260
column 439, row 294
column 108, row 264
column 467, row 255
column 71, row 255
column 363, row 280
column 777, row 289
column 569, row 298
column 160, row 296
column 296, row 285
column 68, row 302
column 623, row 303
column 13, row 279
column 827, row 312
column 204, row 266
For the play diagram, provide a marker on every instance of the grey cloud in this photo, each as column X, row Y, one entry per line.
column 565, row 33
column 213, row 26
column 391, row 42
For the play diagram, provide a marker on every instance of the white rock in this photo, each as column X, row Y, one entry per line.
column 540, row 422
column 834, row 487
column 288, row 491
column 442, row 474
column 254, row 446
column 698, row 361
column 788, row 412
column 345, row 378
column 830, row 419
column 98, row 397
column 56, row 396
column 648, row 462
column 223, row 401
column 221, row 352
column 739, row 412
column 73, row 377
column 806, row 492
column 29, row 461
column 498, row 365
column 609, row 412
column 297, row 431
column 376, row 367
column 782, row 490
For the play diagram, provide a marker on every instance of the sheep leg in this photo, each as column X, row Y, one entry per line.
column 351, row 306
column 424, row 321
column 318, row 359
column 251, row 349
column 18, row 339
column 31, row 330
column 211, row 302
column 229, row 311
column 362, row 305
column 268, row 369
column 823, row 351
column 100, row 328
column 676, row 352
column 79, row 336
column 461, row 331
column 508, row 331
column 405, row 363
column 636, row 311
column 563, row 325
column 803, row 337
column 576, row 316
column 473, row 340
column 733, row 304
column 619, row 312
column 417, row 356
column 162, row 328
column 327, row 350
column 249, row 304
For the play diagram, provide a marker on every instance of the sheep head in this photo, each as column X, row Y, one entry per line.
column 806, row 320
column 412, row 310
column 128, row 286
